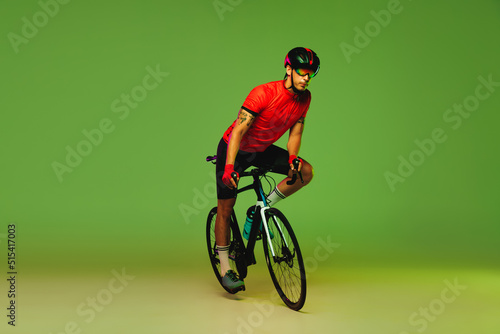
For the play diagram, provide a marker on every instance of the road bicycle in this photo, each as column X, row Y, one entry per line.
column 281, row 248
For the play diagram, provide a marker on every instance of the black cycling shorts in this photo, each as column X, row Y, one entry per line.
column 273, row 158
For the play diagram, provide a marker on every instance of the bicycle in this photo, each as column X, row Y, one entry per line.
column 281, row 248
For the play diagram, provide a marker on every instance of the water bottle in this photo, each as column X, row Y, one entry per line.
column 248, row 222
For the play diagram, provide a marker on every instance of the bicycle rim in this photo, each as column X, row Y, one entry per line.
column 286, row 266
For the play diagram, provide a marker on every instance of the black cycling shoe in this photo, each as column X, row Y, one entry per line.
column 231, row 282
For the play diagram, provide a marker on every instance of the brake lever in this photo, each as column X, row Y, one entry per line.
column 295, row 163
column 292, row 181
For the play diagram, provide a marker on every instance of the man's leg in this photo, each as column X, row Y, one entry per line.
column 307, row 175
column 226, row 198
column 276, row 158
column 222, row 230
column 222, row 240
column 284, row 190
column 225, row 203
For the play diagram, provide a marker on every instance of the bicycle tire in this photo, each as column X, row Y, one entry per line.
column 286, row 268
column 236, row 254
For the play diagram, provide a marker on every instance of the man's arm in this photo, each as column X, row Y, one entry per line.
column 294, row 139
column 243, row 123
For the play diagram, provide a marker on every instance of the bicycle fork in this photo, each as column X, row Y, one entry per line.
column 263, row 209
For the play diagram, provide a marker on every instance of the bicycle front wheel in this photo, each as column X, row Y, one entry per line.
column 284, row 260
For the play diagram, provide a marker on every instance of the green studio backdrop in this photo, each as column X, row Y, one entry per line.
column 110, row 108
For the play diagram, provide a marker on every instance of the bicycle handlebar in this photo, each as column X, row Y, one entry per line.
column 234, row 175
column 295, row 163
column 211, row 158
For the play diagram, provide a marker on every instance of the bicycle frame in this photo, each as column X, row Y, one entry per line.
column 256, row 185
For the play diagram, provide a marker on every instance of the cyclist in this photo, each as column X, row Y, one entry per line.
column 267, row 113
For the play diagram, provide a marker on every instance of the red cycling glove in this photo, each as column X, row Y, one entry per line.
column 292, row 158
column 226, row 178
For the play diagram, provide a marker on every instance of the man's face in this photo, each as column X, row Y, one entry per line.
column 300, row 81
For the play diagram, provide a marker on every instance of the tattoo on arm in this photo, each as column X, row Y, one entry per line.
column 243, row 116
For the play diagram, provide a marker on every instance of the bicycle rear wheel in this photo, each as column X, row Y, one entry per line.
column 236, row 249
column 286, row 265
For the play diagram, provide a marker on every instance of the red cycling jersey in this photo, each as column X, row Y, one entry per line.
column 275, row 109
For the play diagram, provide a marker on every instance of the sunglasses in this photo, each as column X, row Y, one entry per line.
column 304, row 71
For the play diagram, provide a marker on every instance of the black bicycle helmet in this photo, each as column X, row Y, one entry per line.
column 303, row 58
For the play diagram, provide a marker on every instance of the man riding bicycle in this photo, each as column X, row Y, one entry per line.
column 268, row 112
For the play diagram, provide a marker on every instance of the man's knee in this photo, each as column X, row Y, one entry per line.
column 225, row 207
column 307, row 172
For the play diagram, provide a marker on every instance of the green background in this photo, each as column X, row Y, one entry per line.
column 139, row 199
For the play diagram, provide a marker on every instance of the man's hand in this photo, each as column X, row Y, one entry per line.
column 227, row 177
column 292, row 167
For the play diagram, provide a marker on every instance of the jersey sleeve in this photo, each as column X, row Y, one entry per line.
column 306, row 105
column 256, row 101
